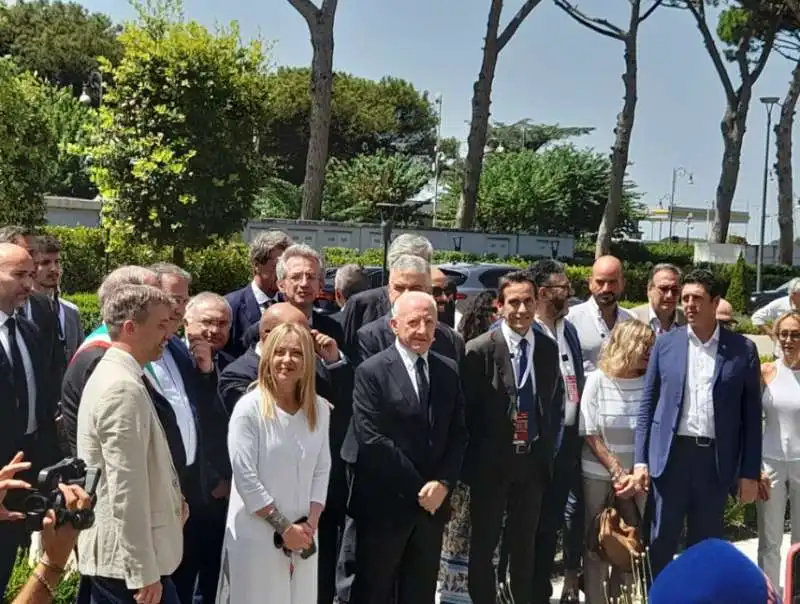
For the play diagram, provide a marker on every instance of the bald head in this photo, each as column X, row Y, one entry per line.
column 606, row 282
column 283, row 312
column 724, row 311
column 17, row 272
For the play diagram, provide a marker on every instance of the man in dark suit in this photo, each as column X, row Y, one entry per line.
column 515, row 402
column 249, row 302
column 698, row 436
column 562, row 504
column 409, row 273
column 39, row 308
column 27, row 401
column 372, row 304
column 406, row 447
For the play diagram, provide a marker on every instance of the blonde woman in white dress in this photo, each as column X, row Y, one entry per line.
column 278, row 442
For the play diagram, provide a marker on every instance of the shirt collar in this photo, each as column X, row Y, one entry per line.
column 712, row 340
column 599, row 314
column 546, row 328
column 260, row 296
column 514, row 338
column 408, row 356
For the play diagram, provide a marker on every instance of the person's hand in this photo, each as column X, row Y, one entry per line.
column 431, row 496
column 184, row 511
column 203, row 354
column 8, row 482
column 222, row 490
column 625, row 486
column 58, row 542
column 642, row 478
column 748, row 490
column 295, row 538
column 150, row 594
column 325, row 346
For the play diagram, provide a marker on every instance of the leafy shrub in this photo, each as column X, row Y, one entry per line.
column 65, row 593
column 89, row 307
column 737, row 288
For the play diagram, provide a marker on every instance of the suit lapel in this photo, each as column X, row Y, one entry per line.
column 681, row 356
column 251, row 309
column 397, row 371
column 502, row 362
column 540, row 360
column 722, row 355
column 34, row 352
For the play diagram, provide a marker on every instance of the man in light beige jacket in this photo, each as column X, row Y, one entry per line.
column 136, row 541
column 661, row 312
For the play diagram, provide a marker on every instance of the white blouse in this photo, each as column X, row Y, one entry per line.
column 275, row 461
column 781, row 405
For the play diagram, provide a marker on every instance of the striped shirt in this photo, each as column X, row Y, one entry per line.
column 609, row 409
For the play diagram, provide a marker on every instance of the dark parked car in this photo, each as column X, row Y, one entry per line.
column 762, row 298
column 472, row 279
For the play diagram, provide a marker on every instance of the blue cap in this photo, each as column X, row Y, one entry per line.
column 712, row 572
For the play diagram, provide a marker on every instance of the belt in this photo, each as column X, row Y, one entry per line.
column 699, row 441
column 524, row 448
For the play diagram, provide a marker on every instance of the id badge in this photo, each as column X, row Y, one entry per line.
column 571, row 382
column 521, row 428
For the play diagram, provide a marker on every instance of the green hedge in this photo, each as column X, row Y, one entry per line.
column 65, row 594
column 223, row 266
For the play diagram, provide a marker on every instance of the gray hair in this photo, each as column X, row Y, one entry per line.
column 13, row 232
column 407, row 244
column 298, row 250
column 261, row 247
column 794, row 286
column 411, row 264
column 350, row 280
column 207, row 299
column 663, row 266
column 161, row 269
column 131, row 303
column 411, row 295
column 124, row 275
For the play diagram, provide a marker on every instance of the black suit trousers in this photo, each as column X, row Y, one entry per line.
column 517, row 491
column 398, row 563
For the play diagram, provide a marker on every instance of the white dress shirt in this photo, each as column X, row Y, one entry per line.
column 655, row 323
column 409, row 358
column 174, row 390
column 593, row 331
column 512, row 341
column 697, row 416
column 30, row 376
column 261, row 298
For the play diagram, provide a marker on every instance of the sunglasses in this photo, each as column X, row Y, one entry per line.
column 443, row 291
column 728, row 323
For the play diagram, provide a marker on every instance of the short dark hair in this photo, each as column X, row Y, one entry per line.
column 542, row 270
column 47, row 244
column 511, row 279
column 701, row 276
column 11, row 232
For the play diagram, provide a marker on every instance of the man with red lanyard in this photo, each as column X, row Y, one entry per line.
column 561, row 505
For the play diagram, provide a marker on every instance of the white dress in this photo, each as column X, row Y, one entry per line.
column 281, row 462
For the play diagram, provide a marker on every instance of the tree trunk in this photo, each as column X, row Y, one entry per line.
column 320, row 89
column 178, row 255
column 783, row 140
column 479, row 124
column 733, row 128
column 622, row 142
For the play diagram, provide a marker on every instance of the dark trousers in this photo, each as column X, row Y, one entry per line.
column 329, row 537
column 688, row 490
column 562, row 505
column 203, row 534
column 515, row 489
column 398, row 563
column 346, row 562
column 113, row 591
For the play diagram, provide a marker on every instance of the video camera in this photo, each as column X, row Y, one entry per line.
column 47, row 496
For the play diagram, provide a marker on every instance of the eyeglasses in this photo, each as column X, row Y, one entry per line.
column 443, row 291
column 666, row 289
column 794, row 336
column 565, row 286
column 728, row 323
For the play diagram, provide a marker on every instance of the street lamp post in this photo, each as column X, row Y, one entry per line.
column 679, row 171
column 770, row 102
column 689, row 219
column 438, row 102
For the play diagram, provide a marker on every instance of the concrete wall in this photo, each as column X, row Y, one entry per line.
column 728, row 253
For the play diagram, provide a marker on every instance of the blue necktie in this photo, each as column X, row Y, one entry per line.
column 527, row 402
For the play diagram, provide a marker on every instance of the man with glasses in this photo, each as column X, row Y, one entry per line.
column 444, row 292
column 661, row 313
column 725, row 314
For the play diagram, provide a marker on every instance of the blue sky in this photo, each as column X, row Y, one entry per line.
column 553, row 71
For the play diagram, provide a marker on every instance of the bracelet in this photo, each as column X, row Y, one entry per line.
column 40, row 578
column 278, row 521
column 44, row 561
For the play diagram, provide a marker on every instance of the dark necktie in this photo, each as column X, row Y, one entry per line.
column 20, row 377
column 56, row 306
column 526, row 398
column 423, row 388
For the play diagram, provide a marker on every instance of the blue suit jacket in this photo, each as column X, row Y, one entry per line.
column 737, row 405
column 244, row 312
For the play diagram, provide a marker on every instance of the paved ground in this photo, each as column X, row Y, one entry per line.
column 764, row 344
column 749, row 547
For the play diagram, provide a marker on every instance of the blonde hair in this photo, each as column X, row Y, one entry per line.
column 305, row 392
column 792, row 314
column 629, row 342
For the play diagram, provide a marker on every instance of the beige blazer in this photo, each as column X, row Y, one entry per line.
column 642, row 313
column 138, row 532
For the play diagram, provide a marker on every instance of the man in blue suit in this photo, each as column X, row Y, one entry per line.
column 698, row 435
column 249, row 302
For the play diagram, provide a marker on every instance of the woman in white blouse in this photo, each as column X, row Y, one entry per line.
column 781, row 444
column 278, row 442
column 609, row 409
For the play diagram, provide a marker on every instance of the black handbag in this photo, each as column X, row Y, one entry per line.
column 277, row 540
